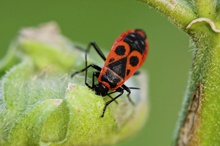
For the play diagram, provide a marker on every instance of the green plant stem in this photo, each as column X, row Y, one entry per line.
column 203, row 74
column 205, row 8
column 199, row 120
column 179, row 12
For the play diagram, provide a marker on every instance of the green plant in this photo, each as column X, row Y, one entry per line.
column 41, row 105
column 199, row 120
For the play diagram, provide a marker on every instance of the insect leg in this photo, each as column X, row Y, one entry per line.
column 110, row 101
column 79, row 48
column 95, row 74
column 85, row 69
column 129, row 92
column 91, row 65
column 136, row 73
column 109, row 95
column 98, row 50
column 134, row 88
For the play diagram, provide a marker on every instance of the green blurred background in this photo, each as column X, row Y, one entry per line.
column 167, row 65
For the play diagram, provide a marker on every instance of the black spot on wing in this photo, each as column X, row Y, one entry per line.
column 133, row 60
column 111, row 60
column 120, row 50
column 128, row 71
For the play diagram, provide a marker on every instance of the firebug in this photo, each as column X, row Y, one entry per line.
column 126, row 56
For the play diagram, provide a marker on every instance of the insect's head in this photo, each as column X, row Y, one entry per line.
column 101, row 89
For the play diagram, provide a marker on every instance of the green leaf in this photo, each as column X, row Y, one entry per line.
column 27, row 128
column 9, row 59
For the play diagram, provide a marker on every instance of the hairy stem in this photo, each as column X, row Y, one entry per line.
column 205, row 8
column 199, row 120
column 179, row 12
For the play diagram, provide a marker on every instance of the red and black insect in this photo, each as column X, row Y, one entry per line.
column 126, row 56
